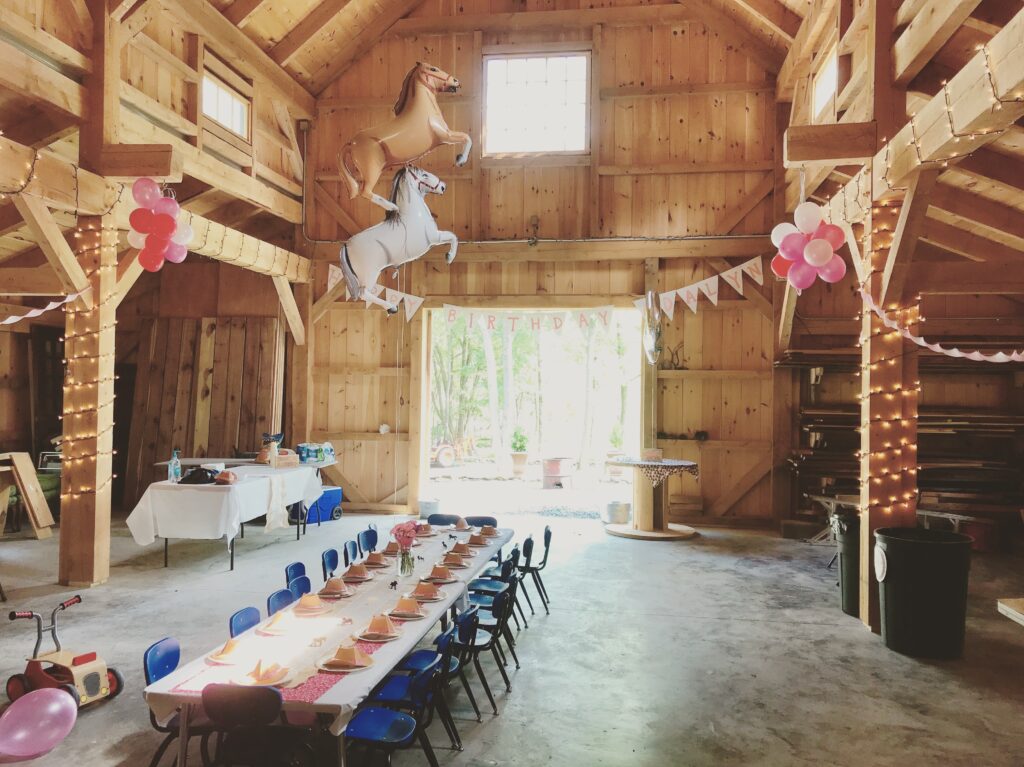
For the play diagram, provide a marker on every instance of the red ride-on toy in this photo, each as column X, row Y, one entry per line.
column 84, row 676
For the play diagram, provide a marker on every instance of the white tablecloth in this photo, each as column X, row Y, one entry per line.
column 217, row 511
column 325, row 693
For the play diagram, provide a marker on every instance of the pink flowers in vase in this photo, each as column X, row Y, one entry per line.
column 404, row 534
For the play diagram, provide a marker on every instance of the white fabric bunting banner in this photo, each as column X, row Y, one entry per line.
column 668, row 303
column 376, row 290
column 412, row 305
column 689, row 295
column 639, row 304
column 734, row 278
column 754, row 270
column 600, row 317
column 709, row 288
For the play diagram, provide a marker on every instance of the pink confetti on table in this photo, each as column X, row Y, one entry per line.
column 313, row 688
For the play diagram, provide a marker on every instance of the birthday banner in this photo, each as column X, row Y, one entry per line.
column 690, row 294
column 535, row 322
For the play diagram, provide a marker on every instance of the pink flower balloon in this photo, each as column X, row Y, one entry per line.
column 146, row 192
column 175, row 253
column 792, row 247
column 801, row 275
column 817, row 252
column 167, row 205
column 832, row 234
column 834, row 270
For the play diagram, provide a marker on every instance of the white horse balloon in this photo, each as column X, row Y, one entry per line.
column 403, row 236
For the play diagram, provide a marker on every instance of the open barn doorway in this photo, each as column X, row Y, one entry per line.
column 527, row 405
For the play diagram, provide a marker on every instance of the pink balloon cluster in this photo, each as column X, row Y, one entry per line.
column 157, row 229
column 807, row 250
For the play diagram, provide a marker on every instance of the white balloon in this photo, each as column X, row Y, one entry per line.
column 780, row 231
column 136, row 239
column 818, row 252
column 807, row 217
column 183, row 234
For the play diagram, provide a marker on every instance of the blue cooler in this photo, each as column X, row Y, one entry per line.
column 327, row 507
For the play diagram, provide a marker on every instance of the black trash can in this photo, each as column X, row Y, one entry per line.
column 846, row 527
column 922, row 585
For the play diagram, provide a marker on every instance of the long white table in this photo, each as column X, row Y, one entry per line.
column 208, row 512
column 305, row 639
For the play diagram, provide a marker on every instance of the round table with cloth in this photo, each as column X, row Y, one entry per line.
column 647, row 524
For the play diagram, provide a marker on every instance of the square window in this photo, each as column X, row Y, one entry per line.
column 224, row 105
column 536, row 103
column 826, row 81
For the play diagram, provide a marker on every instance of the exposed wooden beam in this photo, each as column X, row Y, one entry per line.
column 987, row 213
column 968, row 244
column 676, row 89
column 126, row 162
column 22, row 31
column 128, row 272
column 786, row 315
column 30, row 281
column 287, row 126
column 243, row 53
column 51, row 241
column 830, row 144
column 930, row 29
column 241, row 11
column 290, row 310
column 929, row 138
column 776, row 16
column 140, row 17
column 339, row 214
column 769, row 52
column 1006, row 170
column 741, row 487
column 32, row 79
column 965, row 278
column 102, row 90
column 118, row 9
column 305, row 30
column 819, row 19
column 387, row 13
column 732, row 218
column 54, row 180
column 908, row 229
column 673, row 168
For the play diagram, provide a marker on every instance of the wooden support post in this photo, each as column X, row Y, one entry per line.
column 89, row 412
column 908, row 229
column 419, row 409
column 300, row 371
column 888, row 425
column 594, row 221
column 643, row 492
column 290, row 308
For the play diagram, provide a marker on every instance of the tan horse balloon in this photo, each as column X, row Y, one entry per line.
column 418, row 128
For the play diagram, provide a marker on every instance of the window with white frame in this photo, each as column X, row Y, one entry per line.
column 225, row 106
column 826, row 81
column 536, row 103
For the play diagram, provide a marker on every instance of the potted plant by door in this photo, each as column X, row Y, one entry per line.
column 519, row 454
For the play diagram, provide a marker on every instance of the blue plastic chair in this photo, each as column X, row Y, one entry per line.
column 388, row 730
column 300, row 586
column 481, row 521
column 243, row 620
column 351, row 552
column 159, row 660
column 367, row 541
column 418, row 660
column 293, row 571
column 470, row 641
column 442, row 519
column 279, row 600
column 329, row 559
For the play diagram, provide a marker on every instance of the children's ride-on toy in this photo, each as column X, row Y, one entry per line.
column 85, row 677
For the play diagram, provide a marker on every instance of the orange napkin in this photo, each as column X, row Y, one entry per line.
column 462, row 548
column 272, row 674
column 349, row 657
column 441, row 572
column 427, row 590
column 335, row 586
column 461, row 524
column 488, row 530
column 391, row 548
column 228, row 648
column 274, row 620
column 451, row 558
column 477, row 539
column 357, row 571
column 381, row 625
column 309, row 602
column 375, row 558
column 407, row 607
column 424, row 529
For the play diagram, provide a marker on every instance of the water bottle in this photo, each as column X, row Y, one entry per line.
column 174, row 468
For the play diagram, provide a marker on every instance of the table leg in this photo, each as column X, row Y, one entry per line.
column 648, row 522
column 166, row 543
column 186, row 710
column 231, row 547
column 341, row 750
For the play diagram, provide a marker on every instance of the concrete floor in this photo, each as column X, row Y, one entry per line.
column 729, row 649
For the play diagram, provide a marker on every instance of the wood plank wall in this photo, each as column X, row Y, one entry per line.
column 208, row 387
column 724, row 113
column 15, row 422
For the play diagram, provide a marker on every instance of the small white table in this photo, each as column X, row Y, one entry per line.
column 648, row 523
column 208, row 512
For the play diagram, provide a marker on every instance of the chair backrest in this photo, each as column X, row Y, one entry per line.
column 513, row 557
column 466, row 624
column 527, row 551
column 329, row 559
column 481, row 521
column 507, row 568
column 547, row 545
column 442, row 519
column 421, row 687
column 232, row 705
column 293, row 571
column 351, row 552
column 367, row 540
column 279, row 600
column 160, row 659
column 243, row 620
column 500, row 607
column 445, row 648
column 300, row 586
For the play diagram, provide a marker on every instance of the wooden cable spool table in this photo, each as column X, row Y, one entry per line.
column 649, row 511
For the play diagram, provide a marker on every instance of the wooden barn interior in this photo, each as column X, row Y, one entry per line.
column 876, row 415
